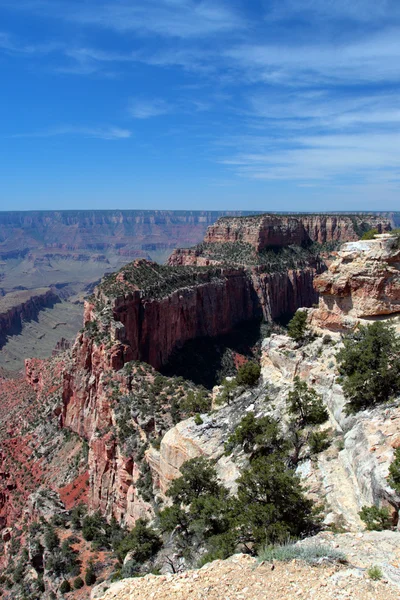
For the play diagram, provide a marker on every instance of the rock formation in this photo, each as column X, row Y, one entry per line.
column 23, row 306
column 363, row 283
column 264, row 231
column 93, row 424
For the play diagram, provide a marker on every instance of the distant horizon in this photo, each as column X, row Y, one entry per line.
column 194, row 210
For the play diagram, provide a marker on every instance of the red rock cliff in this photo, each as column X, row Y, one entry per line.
column 271, row 230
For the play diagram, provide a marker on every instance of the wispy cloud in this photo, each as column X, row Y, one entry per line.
column 169, row 18
column 374, row 59
column 355, row 158
column 12, row 45
column 363, row 11
column 104, row 133
column 146, row 109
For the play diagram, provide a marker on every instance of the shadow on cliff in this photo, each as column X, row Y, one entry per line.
column 207, row 361
column 12, row 323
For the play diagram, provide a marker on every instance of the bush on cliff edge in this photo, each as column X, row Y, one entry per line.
column 370, row 366
column 297, row 328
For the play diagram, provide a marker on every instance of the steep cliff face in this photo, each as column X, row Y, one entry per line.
column 151, row 322
column 88, row 410
column 280, row 294
column 363, row 283
column 269, row 230
column 23, row 306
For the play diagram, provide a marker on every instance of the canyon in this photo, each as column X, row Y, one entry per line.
column 69, row 252
column 98, row 424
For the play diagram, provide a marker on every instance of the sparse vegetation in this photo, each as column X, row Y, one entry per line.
column 204, row 514
column 310, row 553
column 376, row 519
column 375, row 573
column 369, row 365
column 156, row 281
column 248, row 374
column 297, row 328
column 394, row 471
column 370, row 234
column 90, row 575
column 228, row 391
column 319, row 441
column 305, row 405
column 65, row 587
column 78, row 583
column 142, row 542
column 256, row 436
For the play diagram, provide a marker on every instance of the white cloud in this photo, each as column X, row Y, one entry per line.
column 170, row 18
column 146, row 109
column 358, row 158
column 104, row 133
column 373, row 59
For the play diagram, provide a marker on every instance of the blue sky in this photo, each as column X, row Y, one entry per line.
column 252, row 105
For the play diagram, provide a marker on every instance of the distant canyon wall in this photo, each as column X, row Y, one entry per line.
column 24, row 306
column 278, row 231
column 98, row 230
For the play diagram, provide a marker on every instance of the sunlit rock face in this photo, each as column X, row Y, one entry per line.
column 363, row 283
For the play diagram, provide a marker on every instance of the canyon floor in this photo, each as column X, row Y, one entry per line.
column 39, row 336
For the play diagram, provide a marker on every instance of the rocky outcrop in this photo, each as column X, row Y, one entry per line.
column 23, row 306
column 362, row 284
column 350, row 474
column 246, row 578
column 265, row 231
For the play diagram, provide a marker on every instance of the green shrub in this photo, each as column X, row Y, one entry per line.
column 95, row 529
column 248, row 374
column 198, row 420
column 142, row 542
column 319, row 441
column 305, row 405
column 256, row 436
column 394, row 472
column 196, row 402
column 227, row 394
column 375, row 573
column 78, row 583
column 198, row 478
column 370, row 366
column 376, row 519
column 77, row 514
column 370, row 234
column 90, row 575
column 297, row 328
column 270, row 505
column 310, row 553
column 51, row 539
column 65, row 587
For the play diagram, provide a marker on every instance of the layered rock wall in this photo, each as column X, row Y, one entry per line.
column 153, row 328
column 264, row 231
column 23, row 306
